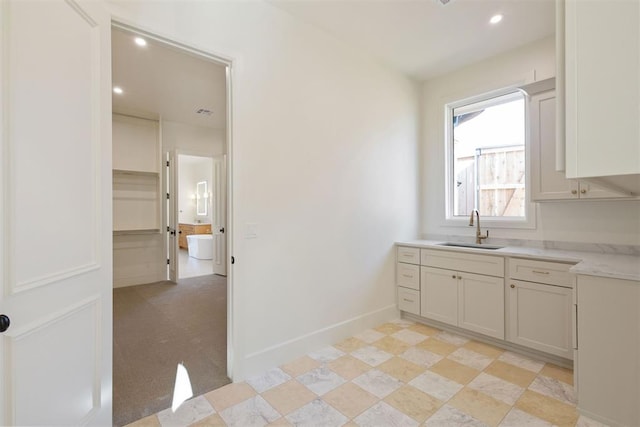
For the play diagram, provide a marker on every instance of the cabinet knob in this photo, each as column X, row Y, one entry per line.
column 574, row 191
column 453, row 277
column 459, row 277
column 583, row 191
column 4, row 322
column 513, row 286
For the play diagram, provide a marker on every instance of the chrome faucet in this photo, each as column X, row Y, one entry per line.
column 479, row 236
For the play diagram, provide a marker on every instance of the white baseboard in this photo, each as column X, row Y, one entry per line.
column 279, row 354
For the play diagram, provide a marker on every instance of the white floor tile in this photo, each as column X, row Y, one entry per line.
column 436, row 385
column 189, row 412
column 269, row 380
column 518, row 418
column 378, row 383
column 409, row 337
column 316, row 413
column 383, row 414
column 252, row 412
column 470, row 358
column 448, row 416
column 421, row 357
column 321, row 380
column 497, row 388
column 371, row 355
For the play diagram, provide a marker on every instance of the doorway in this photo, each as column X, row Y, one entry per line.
column 168, row 100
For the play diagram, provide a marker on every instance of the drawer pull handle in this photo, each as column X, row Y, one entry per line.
column 407, row 300
column 540, row 272
column 409, row 276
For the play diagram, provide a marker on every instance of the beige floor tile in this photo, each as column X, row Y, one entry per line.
column 401, row 369
column 150, row 421
column 547, row 408
column 350, row 344
column 436, row 346
column 482, row 348
column 229, row 395
column 348, row 367
column 350, row 399
column 389, row 328
column 454, row 371
column 391, row 345
column 288, row 397
column 300, row 366
column 480, row 406
column 280, row 422
column 212, row 420
column 413, row 402
column 511, row 373
column 561, row 374
column 424, row 329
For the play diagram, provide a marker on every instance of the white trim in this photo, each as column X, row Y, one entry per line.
column 278, row 354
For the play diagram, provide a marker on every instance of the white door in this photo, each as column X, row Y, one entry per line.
column 55, row 213
column 173, row 231
column 219, row 214
column 439, row 295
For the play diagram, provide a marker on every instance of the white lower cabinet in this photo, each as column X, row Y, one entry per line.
column 439, row 295
column 540, row 317
column 467, row 290
column 608, row 372
column 461, row 298
column 540, row 306
column 481, row 304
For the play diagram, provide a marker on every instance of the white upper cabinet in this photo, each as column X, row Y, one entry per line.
column 602, row 83
column 547, row 183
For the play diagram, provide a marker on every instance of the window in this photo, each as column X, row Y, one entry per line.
column 486, row 148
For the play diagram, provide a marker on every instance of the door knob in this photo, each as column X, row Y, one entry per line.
column 4, row 322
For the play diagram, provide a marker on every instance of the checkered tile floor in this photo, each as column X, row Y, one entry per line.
column 398, row 374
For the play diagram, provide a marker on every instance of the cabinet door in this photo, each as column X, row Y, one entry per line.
column 546, row 182
column 592, row 191
column 540, row 317
column 481, row 304
column 602, row 58
column 439, row 295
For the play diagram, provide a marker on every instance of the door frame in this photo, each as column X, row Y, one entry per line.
column 228, row 63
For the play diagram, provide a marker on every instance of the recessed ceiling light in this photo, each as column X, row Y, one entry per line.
column 118, row 90
column 140, row 41
column 495, row 19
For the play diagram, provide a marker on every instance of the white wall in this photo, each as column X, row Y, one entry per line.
column 614, row 222
column 325, row 160
column 193, row 139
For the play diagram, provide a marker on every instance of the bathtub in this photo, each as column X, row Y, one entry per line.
column 200, row 246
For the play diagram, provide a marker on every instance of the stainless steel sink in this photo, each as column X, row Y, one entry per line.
column 470, row 245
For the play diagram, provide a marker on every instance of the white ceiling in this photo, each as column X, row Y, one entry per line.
column 161, row 82
column 423, row 38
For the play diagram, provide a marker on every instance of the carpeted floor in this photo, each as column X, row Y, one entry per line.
column 155, row 327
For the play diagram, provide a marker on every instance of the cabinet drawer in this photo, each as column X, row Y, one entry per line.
column 409, row 300
column 458, row 261
column 408, row 255
column 550, row 273
column 408, row 275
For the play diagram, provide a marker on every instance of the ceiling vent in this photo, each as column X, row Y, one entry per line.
column 204, row 111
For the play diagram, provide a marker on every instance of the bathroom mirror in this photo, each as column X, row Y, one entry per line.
column 202, row 197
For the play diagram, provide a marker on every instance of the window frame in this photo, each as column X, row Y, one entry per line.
column 529, row 219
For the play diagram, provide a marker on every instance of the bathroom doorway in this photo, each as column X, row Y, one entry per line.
column 197, row 213
column 168, row 98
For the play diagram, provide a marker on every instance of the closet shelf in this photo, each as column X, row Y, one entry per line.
column 134, row 172
column 136, row 231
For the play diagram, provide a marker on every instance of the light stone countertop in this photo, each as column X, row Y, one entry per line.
column 589, row 263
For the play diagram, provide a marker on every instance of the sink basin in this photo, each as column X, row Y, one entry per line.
column 470, row 245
